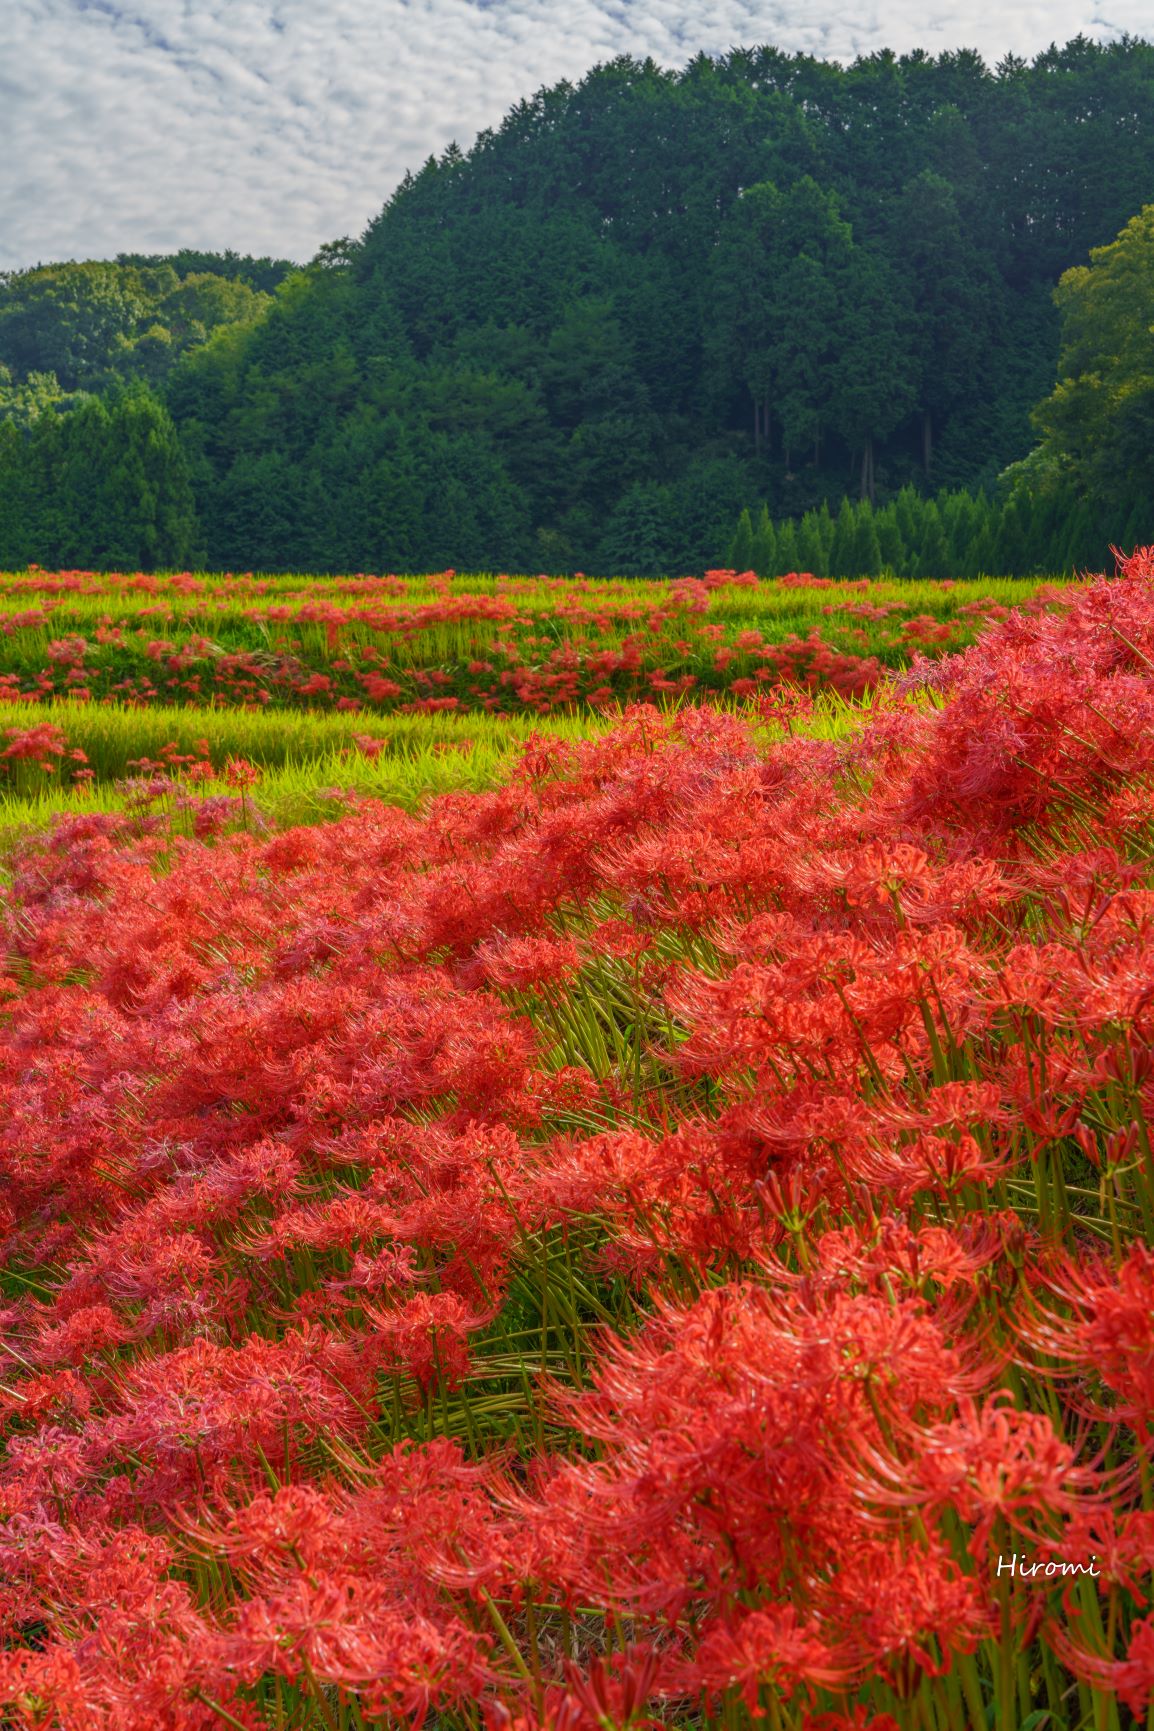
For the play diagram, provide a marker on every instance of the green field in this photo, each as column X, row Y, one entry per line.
column 441, row 679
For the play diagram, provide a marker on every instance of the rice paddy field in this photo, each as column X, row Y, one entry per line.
column 576, row 1156
column 397, row 687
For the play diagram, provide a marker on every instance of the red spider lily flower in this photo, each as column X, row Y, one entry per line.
column 1108, row 1333
column 1131, row 1678
column 990, row 1464
column 770, row 1648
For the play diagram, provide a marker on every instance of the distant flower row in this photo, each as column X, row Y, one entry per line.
column 453, row 649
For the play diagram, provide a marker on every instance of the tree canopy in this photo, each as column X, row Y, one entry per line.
column 647, row 300
column 1098, row 423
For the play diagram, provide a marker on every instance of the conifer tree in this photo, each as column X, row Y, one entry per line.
column 971, row 514
column 1012, row 548
column 891, row 547
column 934, row 552
column 741, row 547
column 15, row 503
column 787, row 552
column 981, row 557
column 867, row 556
column 825, row 525
column 1134, row 535
column 908, row 506
column 841, row 557
column 1081, row 551
column 810, row 546
column 764, row 550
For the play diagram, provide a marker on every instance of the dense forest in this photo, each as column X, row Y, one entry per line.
column 646, row 304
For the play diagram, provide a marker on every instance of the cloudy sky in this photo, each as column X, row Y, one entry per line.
column 273, row 125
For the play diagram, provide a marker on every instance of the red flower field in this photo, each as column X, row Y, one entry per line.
column 668, row 1241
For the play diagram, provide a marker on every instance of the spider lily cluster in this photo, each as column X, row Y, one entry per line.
column 458, row 643
column 639, row 1246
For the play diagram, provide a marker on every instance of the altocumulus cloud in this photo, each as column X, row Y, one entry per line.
column 271, row 125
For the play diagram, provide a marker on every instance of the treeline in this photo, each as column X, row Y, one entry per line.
column 70, row 329
column 642, row 302
column 104, row 487
column 955, row 534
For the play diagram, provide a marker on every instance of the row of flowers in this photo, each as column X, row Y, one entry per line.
column 463, row 650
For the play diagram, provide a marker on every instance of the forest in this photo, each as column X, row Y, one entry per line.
column 645, row 305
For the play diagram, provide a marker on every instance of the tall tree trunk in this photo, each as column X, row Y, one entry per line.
column 927, row 439
column 756, row 427
column 867, row 471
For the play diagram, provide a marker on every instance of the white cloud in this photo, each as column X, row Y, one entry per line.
column 272, row 125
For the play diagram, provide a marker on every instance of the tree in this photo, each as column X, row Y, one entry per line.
column 811, row 545
column 909, row 512
column 892, row 554
column 1011, row 547
column 842, row 553
column 872, row 380
column 1098, row 423
column 95, row 324
column 752, row 279
column 105, row 486
column 763, row 555
column 263, row 274
column 638, row 541
column 787, row 555
column 741, row 547
column 25, row 401
column 934, row 551
column 956, row 308
column 780, row 260
column 867, row 557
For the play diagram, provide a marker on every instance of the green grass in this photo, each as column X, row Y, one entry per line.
column 112, row 735
column 308, row 761
column 305, row 758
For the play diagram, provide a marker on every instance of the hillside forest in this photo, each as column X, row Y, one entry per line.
column 655, row 321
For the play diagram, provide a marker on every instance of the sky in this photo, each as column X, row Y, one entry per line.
column 270, row 126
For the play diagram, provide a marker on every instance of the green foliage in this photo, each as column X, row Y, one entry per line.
column 934, row 551
column 105, row 485
column 23, row 401
column 741, row 547
column 867, row 556
column 763, row 557
column 648, row 299
column 263, row 274
column 841, row 557
column 787, row 549
column 891, row 543
column 812, row 543
column 1036, row 527
column 1098, row 424
column 93, row 324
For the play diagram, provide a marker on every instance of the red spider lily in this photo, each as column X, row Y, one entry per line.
column 767, row 1649
column 654, row 1124
column 1108, row 1331
column 1130, row 1678
column 992, row 1465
